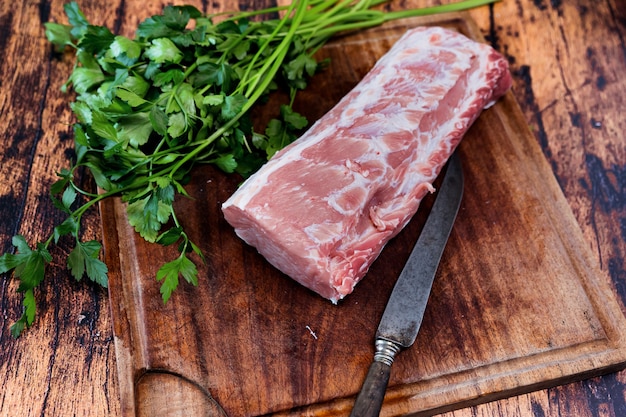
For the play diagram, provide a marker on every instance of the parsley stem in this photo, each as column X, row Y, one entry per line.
column 444, row 8
column 246, row 79
column 361, row 18
column 269, row 69
column 238, row 15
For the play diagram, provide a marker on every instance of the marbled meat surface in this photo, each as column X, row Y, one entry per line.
column 322, row 209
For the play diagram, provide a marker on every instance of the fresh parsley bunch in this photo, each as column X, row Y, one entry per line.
column 179, row 94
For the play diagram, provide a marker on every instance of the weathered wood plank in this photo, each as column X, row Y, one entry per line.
column 574, row 113
column 62, row 366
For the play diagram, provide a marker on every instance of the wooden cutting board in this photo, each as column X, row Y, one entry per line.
column 518, row 303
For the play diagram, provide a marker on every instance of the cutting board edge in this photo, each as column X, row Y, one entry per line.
column 124, row 358
column 494, row 395
column 403, row 400
column 597, row 283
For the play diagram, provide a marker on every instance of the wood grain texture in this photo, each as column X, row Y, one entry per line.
column 547, row 44
column 518, row 303
column 567, row 58
column 52, row 369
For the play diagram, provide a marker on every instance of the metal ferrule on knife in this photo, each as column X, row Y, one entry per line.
column 386, row 351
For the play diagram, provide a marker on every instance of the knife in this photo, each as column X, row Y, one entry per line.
column 403, row 315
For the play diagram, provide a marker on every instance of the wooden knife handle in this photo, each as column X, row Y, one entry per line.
column 370, row 399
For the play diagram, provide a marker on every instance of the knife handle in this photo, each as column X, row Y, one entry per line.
column 370, row 400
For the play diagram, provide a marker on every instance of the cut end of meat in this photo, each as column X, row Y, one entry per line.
column 322, row 209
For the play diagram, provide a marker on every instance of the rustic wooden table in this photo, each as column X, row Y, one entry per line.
column 567, row 59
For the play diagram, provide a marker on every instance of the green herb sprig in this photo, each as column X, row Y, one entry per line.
column 179, row 94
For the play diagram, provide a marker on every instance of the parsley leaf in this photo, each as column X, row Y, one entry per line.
column 30, row 264
column 164, row 50
column 300, row 66
column 135, row 128
column 226, row 163
column 76, row 18
column 69, row 226
column 125, row 50
column 60, row 35
column 84, row 79
column 148, row 215
column 159, row 120
column 84, row 258
column 96, row 40
column 170, row 271
column 233, row 105
column 170, row 237
column 27, row 318
column 29, row 267
column 177, row 124
column 280, row 133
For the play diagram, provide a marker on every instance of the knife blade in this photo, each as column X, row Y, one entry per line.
column 402, row 318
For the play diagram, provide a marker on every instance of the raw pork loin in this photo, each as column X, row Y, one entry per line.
column 322, row 209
